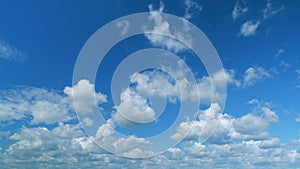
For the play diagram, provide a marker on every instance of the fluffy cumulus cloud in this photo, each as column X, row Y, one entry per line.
column 56, row 148
column 10, row 52
column 239, row 9
column 226, row 129
column 165, row 35
column 46, row 106
column 65, row 144
column 83, row 97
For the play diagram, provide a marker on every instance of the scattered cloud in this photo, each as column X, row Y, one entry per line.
column 191, row 7
column 249, row 28
column 10, row 52
column 124, row 26
column 270, row 11
column 239, row 9
column 254, row 74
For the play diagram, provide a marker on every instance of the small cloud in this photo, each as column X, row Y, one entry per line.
column 254, row 74
column 270, row 11
column 10, row 52
column 239, row 9
column 279, row 52
column 298, row 118
column 191, row 8
column 124, row 25
column 249, row 28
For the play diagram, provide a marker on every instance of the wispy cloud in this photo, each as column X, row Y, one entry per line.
column 191, row 8
column 124, row 26
column 270, row 10
column 254, row 74
column 239, row 9
column 10, row 52
column 249, row 28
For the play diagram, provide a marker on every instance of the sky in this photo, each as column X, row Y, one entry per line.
column 149, row 84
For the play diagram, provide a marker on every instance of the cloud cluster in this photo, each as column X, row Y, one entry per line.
column 56, row 148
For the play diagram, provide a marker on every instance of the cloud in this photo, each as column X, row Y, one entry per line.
column 252, row 126
column 134, row 108
column 249, row 28
column 165, row 35
column 254, row 74
column 43, row 105
column 124, row 26
column 239, row 9
column 83, row 97
column 191, row 7
column 10, row 52
column 270, row 11
column 46, row 106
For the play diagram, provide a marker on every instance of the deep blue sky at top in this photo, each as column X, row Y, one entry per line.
column 51, row 34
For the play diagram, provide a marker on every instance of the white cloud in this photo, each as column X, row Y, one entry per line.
column 191, row 7
column 124, row 26
column 249, row 28
column 161, row 29
column 239, row 9
column 45, row 106
column 134, row 108
column 253, row 126
column 254, row 74
column 83, row 97
column 48, row 112
column 10, row 52
column 270, row 11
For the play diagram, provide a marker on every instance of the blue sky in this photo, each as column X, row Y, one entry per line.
column 51, row 117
